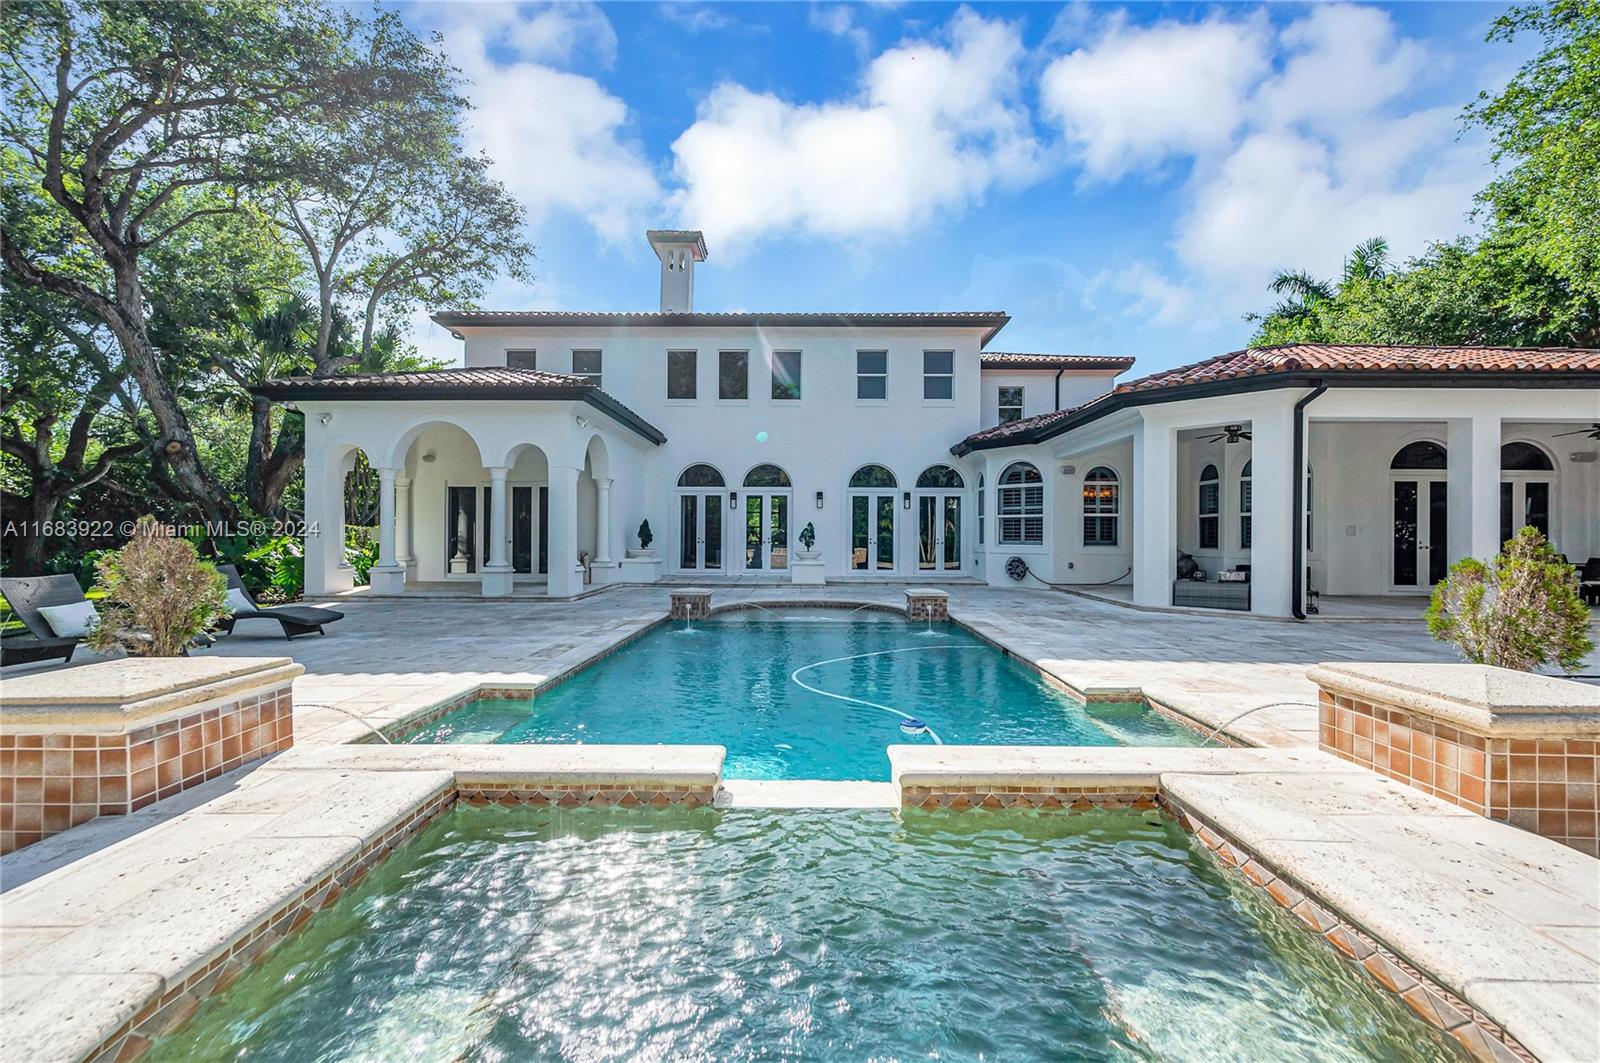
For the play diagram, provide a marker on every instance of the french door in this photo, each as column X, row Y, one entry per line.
column 526, row 547
column 938, row 532
column 872, row 531
column 766, row 531
column 700, row 531
column 1524, row 503
column 1421, row 522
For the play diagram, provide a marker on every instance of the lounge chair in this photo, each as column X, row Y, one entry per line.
column 27, row 595
column 295, row 619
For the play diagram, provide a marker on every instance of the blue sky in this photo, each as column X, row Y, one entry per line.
column 1121, row 179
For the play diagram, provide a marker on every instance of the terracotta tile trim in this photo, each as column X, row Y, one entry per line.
column 1063, row 798
column 166, row 1012
column 1478, row 1035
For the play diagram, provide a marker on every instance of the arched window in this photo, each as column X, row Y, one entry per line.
column 980, row 509
column 1420, row 455
column 1527, row 481
column 872, row 476
column 700, row 476
column 1210, row 507
column 1021, row 505
column 940, row 476
column 1524, row 457
column 1102, row 507
column 766, row 476
column 1246, row 501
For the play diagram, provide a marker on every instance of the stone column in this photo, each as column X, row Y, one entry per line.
column 388, row 575
column 497, row 576
column 324, row 535
column 602, row 522
column 1155, row 493
column 565, row 578
column 1272, row 515
column 402, row 516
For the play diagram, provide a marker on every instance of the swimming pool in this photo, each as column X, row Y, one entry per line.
column 806, row 694
column 608, row 934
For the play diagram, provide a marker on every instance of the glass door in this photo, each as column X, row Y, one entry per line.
column 872, row 532
column 766, row 531
column 700, row 532
column 1421, row 523
column 522, row 530
column 938, row 532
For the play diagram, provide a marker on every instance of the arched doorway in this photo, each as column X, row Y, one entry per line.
column 939, row 492
column 767, row 505
column 872, row 519
column 1419, row 553
column 699, row 533
column 1527, row 489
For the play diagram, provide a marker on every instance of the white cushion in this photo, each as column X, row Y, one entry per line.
column 70, row 621
column 237, row 602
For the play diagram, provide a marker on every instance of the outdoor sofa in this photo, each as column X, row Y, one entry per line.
column 27, row 595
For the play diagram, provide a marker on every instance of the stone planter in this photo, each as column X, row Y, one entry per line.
column 110, row 738
column 1510, row 746
column 646, row 569
column 807, row 569
column 641, row 555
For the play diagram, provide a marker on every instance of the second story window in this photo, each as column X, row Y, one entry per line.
column 733, row 375
column 785, row 375
column 872, row 374
column 1010, row 401
column 587, row 364
column 681, row 374
column 938, row 375
column 522, row 359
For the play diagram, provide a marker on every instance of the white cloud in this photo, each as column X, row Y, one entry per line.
column 840, row 20
column 696, row 18
column 1139, row 94
column 935, row 126
column 1299, row 142
column 559, row 140
column 1151, row 293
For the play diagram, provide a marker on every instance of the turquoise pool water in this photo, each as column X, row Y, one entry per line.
column 810, row 694
column 606, row 934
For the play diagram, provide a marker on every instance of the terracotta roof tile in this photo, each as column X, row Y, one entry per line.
column 1343, row 359
column 1018, row 360
column 496, row 376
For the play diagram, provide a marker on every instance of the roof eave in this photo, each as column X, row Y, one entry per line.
column 1546, row 378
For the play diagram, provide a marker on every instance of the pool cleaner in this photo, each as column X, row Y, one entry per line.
column 913, row 726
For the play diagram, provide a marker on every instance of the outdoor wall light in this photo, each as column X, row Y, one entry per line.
column 905, row 500
column 583, row 422
column 733, row 500
column 819, row 499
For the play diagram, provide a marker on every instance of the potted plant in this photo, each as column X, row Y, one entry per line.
column 808, row 541
column 646, row 537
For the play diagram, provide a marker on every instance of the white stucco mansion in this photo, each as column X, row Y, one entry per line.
column 918, row 453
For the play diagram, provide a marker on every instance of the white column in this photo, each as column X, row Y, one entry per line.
column 1155, row 489
column 402, row 516
column 497, row 577
column 604, row 567
column 1272, row 513
column 388, row 575
column 324, row 535
column 565, row 580
column 1486, row 486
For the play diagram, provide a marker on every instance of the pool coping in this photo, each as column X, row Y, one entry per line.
column 322, row 842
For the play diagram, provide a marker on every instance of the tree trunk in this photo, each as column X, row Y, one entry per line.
column 175, row 448
column 270, row 468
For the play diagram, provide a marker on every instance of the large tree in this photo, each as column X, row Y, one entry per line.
column 141, row 120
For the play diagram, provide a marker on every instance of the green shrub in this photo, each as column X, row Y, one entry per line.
column 159, row 594
column 361, row 552
column 1520, row 611
column 282, row 564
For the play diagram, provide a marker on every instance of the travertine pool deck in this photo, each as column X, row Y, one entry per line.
column 97, row 922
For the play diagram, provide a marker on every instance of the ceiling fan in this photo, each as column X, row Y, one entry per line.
column 1593, row 431
column 1235, row 432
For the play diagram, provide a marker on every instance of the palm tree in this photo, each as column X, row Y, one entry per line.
column 1369, row 261
column 1302, row 293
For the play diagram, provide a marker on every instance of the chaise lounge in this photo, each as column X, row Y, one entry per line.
column 295, row 620
column 27, row 595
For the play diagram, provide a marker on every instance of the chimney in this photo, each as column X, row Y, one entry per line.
column 678, row 250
